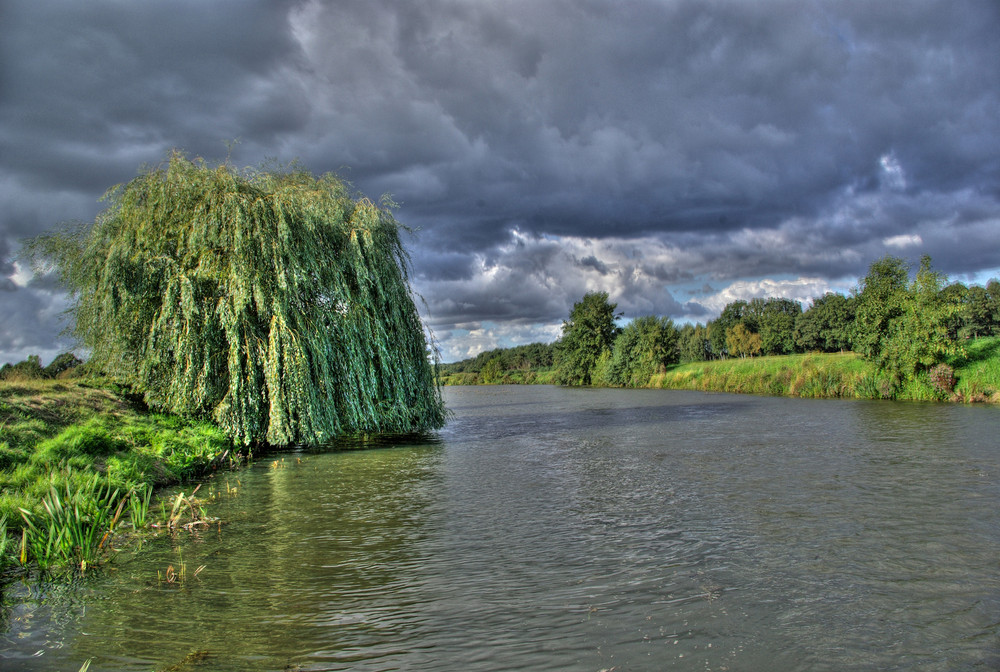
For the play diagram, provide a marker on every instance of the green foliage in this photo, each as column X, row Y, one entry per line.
column 272, row 302
column 533, row 356
column 7, row 544
column 879, row 301
column 57, row 433
column 694, row 343
column 741, row 342
column 493, row 372
column 95, row 438
column 61, row 364
column 589, row 332
column 993, row 305
column 29, row 369
column 601, row 374
column 138, row 501
column 647, row 345
column 463, row 378
column 813, row 375
column 79, row 441
column 827, row 325
column 977, row 370
column 980, row 315
column 918, row 337
column 772, row 320
column 720, row 327
column 775, row 319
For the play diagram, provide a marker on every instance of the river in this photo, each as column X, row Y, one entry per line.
column 549, row 528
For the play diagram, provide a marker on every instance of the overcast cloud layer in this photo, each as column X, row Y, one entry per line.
column 676, row 154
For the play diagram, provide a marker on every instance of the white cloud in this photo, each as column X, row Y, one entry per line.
column 892, row 175
column 903, row 240
column 22, row 275
column 467, row 341
column 802, row 290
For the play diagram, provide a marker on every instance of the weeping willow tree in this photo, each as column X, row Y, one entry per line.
column 271, row 301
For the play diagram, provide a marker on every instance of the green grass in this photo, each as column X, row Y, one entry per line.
column 544, row 376
column 978, row 371
column 817, row 375
column 839, row 375
column 75, row 457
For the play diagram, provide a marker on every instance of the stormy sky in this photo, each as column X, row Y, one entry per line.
column 678, row 154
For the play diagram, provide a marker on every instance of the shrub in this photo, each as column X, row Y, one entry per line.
column 942, row 378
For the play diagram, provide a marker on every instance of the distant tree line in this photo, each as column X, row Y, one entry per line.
column 499, row 365
column 31, row 368
column 906, row 327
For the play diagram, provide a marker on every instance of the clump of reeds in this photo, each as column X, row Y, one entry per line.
column 186, row 513
column 76, row 526
column 138, row 506
column 178, row 575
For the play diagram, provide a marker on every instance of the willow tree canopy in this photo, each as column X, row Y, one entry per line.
column 271, row 301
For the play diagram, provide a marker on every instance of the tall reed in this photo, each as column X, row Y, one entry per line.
column 6, row 544
column 138, row 505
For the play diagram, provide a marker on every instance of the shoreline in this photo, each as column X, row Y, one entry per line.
column 812, row 375
column 62, row 436
column 75, row 451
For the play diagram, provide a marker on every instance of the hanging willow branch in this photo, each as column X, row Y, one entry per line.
column 272, row 302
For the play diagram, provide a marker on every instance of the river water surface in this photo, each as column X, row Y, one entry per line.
column 548, row 528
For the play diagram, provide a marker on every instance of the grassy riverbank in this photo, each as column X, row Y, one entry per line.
column 73, row 451
column 544, row 376
column 841, row 375
column 816, row 375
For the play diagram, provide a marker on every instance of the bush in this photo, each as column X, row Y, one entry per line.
column 942, row 378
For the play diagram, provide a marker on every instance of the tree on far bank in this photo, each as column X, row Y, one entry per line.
column 647, row 345
column 827, row 325
column 741, row 342
column 919, row 337
column 775, row 321
column 980, row 314
column 993, row 298
column 27, row 369
column 879, row 301
column 493, row 372
column 589, row 331
column 718, row 329
column 274, row 303
column 694, row 344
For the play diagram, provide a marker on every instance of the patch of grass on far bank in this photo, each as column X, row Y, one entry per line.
column 978, row 370
column 839, row 375
column 818, row 375
column 58, row 436
column 514, row 377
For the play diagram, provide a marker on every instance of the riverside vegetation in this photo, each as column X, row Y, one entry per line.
column 893, row 338
column 225, row 310
column 79, row 460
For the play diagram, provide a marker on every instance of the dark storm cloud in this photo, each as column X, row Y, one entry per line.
column 542, row 149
